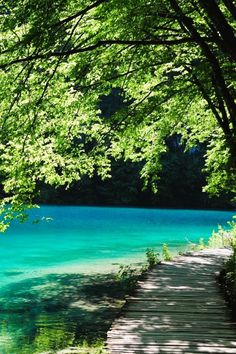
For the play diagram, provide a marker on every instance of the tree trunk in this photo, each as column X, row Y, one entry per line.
column 221, row 25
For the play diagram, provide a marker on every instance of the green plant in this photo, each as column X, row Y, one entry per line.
column 127, row 276
column 152, row 257
column 166, row 254
column 198, row 246
column 97, row 347
column 227, row 280
column 221, row 238
column 202, row 244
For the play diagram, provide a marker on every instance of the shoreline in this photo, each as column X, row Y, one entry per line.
column 82, row 305
column 89, row 268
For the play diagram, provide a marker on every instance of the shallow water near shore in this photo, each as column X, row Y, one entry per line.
column 54, row 287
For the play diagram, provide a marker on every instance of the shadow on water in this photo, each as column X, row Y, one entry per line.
column 56, row 311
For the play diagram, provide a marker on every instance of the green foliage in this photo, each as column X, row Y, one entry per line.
column 14, row 211
column 58, row 58
column 228, row 279
column 202, row 244
column 97, row 347
column 221, row 238
column 166, row 254
column 199, row 246
column 152, row 257
column 180, row 184
column 230, row 268
column 224, row 238
column 127, row 276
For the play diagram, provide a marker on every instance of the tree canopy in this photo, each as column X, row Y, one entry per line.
column 172, row 63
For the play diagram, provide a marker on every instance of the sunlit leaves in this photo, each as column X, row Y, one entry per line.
column 52, row 128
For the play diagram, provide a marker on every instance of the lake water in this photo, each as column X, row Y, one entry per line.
column 45, row 262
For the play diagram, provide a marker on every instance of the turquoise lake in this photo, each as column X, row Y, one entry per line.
column 47, row 260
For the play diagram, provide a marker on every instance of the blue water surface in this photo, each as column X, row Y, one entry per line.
column 82, row 235
column 57, row 241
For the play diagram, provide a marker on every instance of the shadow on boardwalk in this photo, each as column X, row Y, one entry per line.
column 177, row 308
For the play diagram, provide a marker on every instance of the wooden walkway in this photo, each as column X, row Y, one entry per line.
column 176, row 309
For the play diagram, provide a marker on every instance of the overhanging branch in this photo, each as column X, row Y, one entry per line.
column 102, row 43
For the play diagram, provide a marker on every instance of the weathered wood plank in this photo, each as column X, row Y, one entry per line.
column 175, row 323
column 177, row 309
column 150, row 349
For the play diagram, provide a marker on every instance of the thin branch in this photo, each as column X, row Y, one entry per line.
column 213, row 61
column 222, row 26
column 79, row 13
column 39, row 101
column 114, row 77
column 129, row 67
column 152, row 109
column 18, row 95
column 215, row 33
column 224, row 124
column 221, row 105
column 104, row 43
column 55, row 26
column 137, row 104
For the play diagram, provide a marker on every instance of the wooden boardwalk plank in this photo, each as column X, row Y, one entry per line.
column 177, row 308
